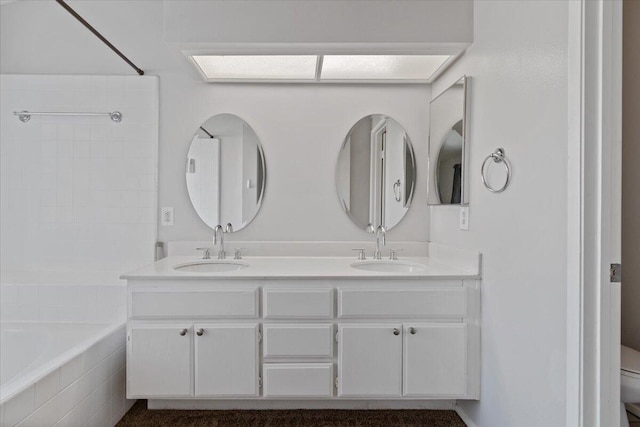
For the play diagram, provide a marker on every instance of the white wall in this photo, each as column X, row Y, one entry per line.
column 518, row 64
column 301, row 127
column 310, row 22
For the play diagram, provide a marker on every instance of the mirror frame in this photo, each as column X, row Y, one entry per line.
column 432, row 164
column 409, row 142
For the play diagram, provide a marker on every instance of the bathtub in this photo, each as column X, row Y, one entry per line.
column 61, row 372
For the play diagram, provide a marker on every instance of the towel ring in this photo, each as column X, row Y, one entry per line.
column 498, row 157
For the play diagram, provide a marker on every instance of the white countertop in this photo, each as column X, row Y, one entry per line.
column 298, row 267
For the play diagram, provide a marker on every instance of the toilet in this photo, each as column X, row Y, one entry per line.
column 629, row 379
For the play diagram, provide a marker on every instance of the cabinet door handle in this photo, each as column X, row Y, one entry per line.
column 183, row 332
column 412, row 330
column 200, row 332
column 396, row 331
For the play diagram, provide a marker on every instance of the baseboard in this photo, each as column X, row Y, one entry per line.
column 219, row 404
column 466, row 418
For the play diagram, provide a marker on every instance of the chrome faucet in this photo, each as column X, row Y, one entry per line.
column 218, row 238
column 380, row 236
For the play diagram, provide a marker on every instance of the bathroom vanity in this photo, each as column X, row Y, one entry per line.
column 314, row 328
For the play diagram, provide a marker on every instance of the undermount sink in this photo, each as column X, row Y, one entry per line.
column 217, row 266
column 389, row 266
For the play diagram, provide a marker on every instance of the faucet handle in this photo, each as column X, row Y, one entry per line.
column 361, row 254
column 206, row 254
column 229, row 228
column 393, row 255
column 238, row 253
column 370, row 228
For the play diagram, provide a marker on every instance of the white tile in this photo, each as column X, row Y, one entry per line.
column 70, row 371
column 10, row 312
column 49, row 131
column 47, row 387
column 48, row 295
column 48, row 214
column 65, row 132
column 119, row 401
column 49, row 314
column 75, row 393
column 81, row 83
column 9, row 294
column 28, row 312
column 45, row 416
column 17, row 408
column 102, row 418
column 102, row 395
column 28, row 294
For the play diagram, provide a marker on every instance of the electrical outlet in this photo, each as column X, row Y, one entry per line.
column 464, row 217
column 166, row 217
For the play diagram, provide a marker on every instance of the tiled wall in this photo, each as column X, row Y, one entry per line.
column 88, row 390
column 78, row 193
column 62, row 303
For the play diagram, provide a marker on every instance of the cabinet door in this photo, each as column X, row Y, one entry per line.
column 435, row 359
column 226, row 359
column 370, row 360
column 159, row 361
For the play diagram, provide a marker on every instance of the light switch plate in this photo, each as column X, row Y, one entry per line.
column 464, row 217
column 166, row 217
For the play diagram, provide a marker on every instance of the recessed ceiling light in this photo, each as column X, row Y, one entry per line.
column 381, row 67
column 257, row 67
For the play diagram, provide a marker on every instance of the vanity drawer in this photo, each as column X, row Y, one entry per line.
column 298, row 379
column 219, row 303
column 435, row 302
column 304, row 341
column 301, row 304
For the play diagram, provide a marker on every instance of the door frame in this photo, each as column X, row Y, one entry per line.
column 593, row 197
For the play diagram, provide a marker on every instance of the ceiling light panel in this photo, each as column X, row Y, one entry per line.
column 257, row 67
column 381, row 67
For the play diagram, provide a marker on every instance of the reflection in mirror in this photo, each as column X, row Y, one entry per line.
column 375, row 176
column 448, row 147
column 226, row 172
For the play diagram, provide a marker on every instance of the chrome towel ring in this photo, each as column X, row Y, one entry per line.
column 498, row 156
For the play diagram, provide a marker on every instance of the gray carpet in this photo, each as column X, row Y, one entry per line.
column 140, row 416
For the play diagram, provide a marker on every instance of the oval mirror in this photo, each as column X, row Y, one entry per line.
column 375, row 176
column 226, row 172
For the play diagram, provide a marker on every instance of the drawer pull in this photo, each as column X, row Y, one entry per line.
column 200, row 332
column 183, row 332
column 412, row 330
column 396, row 331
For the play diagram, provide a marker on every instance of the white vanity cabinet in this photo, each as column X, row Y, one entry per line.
column 370, row 360
column 303, row 339
column 435, row 359
column 226, row 360
column 412, row 360
column 159, row 360
column 201, row 360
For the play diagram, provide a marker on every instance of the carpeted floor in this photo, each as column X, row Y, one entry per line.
column 139, row 416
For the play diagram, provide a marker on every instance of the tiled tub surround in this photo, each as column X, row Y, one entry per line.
column 23, row 302
column 78, row 207
column 83, row 386
column 79, row 194
column 62, row 351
